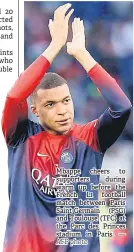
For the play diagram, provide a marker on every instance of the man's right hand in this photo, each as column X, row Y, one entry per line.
column 59, row 26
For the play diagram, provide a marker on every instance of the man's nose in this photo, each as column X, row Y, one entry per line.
column 61, row 109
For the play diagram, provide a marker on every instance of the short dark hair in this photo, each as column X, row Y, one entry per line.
column 50, row 80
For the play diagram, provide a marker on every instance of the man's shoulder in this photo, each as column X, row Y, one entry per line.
column 84, row 128
column 86, row 133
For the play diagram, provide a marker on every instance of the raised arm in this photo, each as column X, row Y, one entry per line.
column 112, row 122
column 15, row 113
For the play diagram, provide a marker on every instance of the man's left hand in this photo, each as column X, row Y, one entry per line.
column 78, row 41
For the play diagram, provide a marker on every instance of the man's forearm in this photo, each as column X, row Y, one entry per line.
column 108, row 86
column 30, row 78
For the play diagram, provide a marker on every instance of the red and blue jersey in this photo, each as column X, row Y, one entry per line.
column 34, row 154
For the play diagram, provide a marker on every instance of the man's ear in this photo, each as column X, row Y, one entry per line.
column 34, row 110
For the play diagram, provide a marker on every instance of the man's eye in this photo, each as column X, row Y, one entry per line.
column 49, row 104
column 67, row 100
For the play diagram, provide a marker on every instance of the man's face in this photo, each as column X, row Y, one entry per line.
column 55, row 110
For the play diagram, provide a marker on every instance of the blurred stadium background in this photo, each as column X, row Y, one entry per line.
column 109, row 39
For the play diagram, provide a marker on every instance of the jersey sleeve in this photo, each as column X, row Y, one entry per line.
column 111, row 124
column 15, row 113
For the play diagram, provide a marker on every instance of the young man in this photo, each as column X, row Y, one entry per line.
column 35, row 150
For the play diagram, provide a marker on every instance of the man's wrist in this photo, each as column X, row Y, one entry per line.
column 85, row 59
column 51, row 52
column 56, row 48
column 80, row 54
